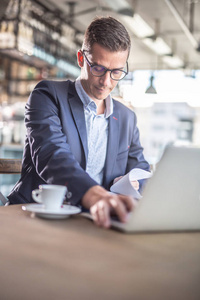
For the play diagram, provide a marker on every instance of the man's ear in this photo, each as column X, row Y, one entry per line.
column 80, row 58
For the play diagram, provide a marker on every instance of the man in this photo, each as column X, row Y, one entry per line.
column 77, row 135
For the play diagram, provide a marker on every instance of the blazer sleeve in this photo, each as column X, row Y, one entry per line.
column 50, row 151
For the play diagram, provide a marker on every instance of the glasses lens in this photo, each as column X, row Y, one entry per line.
column 98, row 70
column 117, row 74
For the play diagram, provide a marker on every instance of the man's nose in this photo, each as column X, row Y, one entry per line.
column 106, row 79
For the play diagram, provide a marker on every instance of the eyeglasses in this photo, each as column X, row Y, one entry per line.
column 99, row 71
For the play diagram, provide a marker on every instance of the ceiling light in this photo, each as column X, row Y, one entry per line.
column 143, row 31
column 138, row 26
column 158, row 45
column 173, row 61
column 121, row 6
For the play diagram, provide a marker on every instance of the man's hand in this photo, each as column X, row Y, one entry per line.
column 134, row 183
column 103, row 203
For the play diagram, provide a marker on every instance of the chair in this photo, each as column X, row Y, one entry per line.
column 9, row 166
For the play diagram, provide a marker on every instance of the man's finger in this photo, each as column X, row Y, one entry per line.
column 119, row 208
column 129, row 202
column 135, row 184
column 101, row 214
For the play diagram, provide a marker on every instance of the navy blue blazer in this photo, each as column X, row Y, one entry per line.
column 56, row 143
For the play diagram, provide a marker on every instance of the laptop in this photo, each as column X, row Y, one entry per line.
column 171, row 197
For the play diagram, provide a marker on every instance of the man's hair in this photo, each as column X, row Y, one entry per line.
column 108, row 33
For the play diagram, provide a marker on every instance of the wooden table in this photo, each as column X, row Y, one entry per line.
column 74, row 259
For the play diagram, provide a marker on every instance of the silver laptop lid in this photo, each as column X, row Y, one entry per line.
column 171, row 198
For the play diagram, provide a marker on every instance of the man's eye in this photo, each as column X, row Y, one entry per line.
column 98, row 69
column 116, row 72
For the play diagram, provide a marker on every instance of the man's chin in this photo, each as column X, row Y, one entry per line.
column 99, row 99
column 101, row 96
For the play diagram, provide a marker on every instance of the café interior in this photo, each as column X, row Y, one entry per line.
column 39, row 39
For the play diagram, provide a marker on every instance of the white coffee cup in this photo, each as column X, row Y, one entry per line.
column 52, row 196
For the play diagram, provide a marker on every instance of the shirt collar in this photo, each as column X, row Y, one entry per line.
column 89, row 103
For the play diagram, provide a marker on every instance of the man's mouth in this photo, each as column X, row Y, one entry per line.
column 101, row 89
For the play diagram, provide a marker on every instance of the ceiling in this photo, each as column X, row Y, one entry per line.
column 177, row 22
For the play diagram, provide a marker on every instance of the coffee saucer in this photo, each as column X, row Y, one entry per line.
column 64, row 212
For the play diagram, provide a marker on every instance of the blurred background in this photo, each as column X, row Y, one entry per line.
column 39, row 40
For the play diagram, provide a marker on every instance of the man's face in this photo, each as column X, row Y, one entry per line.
column 98, row 88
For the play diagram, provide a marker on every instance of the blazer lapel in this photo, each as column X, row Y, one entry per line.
column 112, row 147
column 79, row 118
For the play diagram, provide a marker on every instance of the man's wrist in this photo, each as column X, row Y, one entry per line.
column 93, row 195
